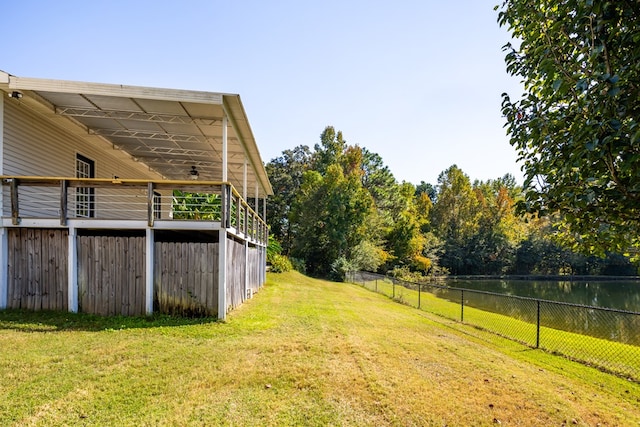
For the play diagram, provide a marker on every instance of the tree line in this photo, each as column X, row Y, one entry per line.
column 337, row 207
column 575, row 128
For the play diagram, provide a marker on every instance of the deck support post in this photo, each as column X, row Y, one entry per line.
column 246, row 270
column 225, row 145
column 72, row 267
column 265, row 242
column 226, row 220
column 149, row 263
column 222, row 274
column 244, row 180
column 4, row 276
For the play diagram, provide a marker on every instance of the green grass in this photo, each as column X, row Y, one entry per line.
column 301, row 352
column 618, row 358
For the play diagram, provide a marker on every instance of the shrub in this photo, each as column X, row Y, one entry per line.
column 280, row 264
column 339, row 269
column 298, row 265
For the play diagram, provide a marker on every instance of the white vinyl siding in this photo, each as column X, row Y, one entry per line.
column 34, row 146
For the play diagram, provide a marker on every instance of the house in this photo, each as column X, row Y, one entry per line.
column 127, row 200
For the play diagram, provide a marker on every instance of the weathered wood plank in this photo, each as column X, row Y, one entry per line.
column 207, row 279
column 172, row 285
column 161, row 275
column 181, row 258
column 202, row 277
column 189, row 276
column 36, row 267
column 45, row 278
column 119, row 278
column 10, row 266
column 130, row 258
column 84, row 266
column 113, row 276
column 216, row 281
column 61, row 268
column 157, row 275
column 94, row 262
column 31, row 282
column 141, row 277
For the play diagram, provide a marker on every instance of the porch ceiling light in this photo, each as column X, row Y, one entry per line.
column 194, row 173
column 15, row 94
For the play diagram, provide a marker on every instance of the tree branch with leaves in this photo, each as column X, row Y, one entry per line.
column 576, row 126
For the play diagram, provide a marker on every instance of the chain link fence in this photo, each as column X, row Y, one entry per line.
column 605, row 338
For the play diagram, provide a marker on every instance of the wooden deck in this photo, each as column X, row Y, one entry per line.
column 175, row 247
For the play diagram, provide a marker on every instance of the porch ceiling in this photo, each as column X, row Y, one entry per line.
column 168, row 130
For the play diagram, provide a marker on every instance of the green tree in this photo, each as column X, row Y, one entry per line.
column 455, row 220
column 427, row 189
column 330, row 214
column 380, row 182
column 330, row 150
column 499, row 231
column 285, row 174
column 576, row 126
column 198, row 206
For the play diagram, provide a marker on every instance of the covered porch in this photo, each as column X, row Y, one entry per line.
column 181, row 229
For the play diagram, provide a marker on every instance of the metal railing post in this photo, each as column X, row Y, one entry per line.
column 419, row 292
column 462, row 305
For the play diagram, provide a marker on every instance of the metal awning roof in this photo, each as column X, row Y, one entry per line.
column 168, row 130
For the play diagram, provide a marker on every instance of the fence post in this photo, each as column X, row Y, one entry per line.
column 462, row 305
column 538, row 326
column 394, row 288
column 419, row 289
column 376, row 284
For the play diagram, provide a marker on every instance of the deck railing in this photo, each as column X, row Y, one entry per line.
column 61, row 198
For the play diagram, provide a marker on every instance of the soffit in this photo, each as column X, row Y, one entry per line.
column 168, row 130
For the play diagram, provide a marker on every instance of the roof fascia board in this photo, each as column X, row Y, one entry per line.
column 104, row 89
column 251, row 152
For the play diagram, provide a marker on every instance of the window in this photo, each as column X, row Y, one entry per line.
column 157, row 205
column 85, row 197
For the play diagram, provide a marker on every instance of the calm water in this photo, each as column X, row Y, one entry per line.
column 622, row 295
column 613, row 326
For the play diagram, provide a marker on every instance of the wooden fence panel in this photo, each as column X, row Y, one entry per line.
column 186, row 278
column 37, row 271
column 253, row 268
column 110, row 270
column 235, row 273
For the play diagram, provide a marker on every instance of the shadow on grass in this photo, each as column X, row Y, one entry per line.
column 55, row 321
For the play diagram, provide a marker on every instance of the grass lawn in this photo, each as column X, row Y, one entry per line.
column 301, row 352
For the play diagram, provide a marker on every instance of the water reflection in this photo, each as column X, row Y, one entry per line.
column 621, row 295
column 607, row 324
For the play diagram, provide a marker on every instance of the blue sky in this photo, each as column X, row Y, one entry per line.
column 418, row 82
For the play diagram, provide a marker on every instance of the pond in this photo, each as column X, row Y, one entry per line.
column 620, row 326
column 617, row 294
